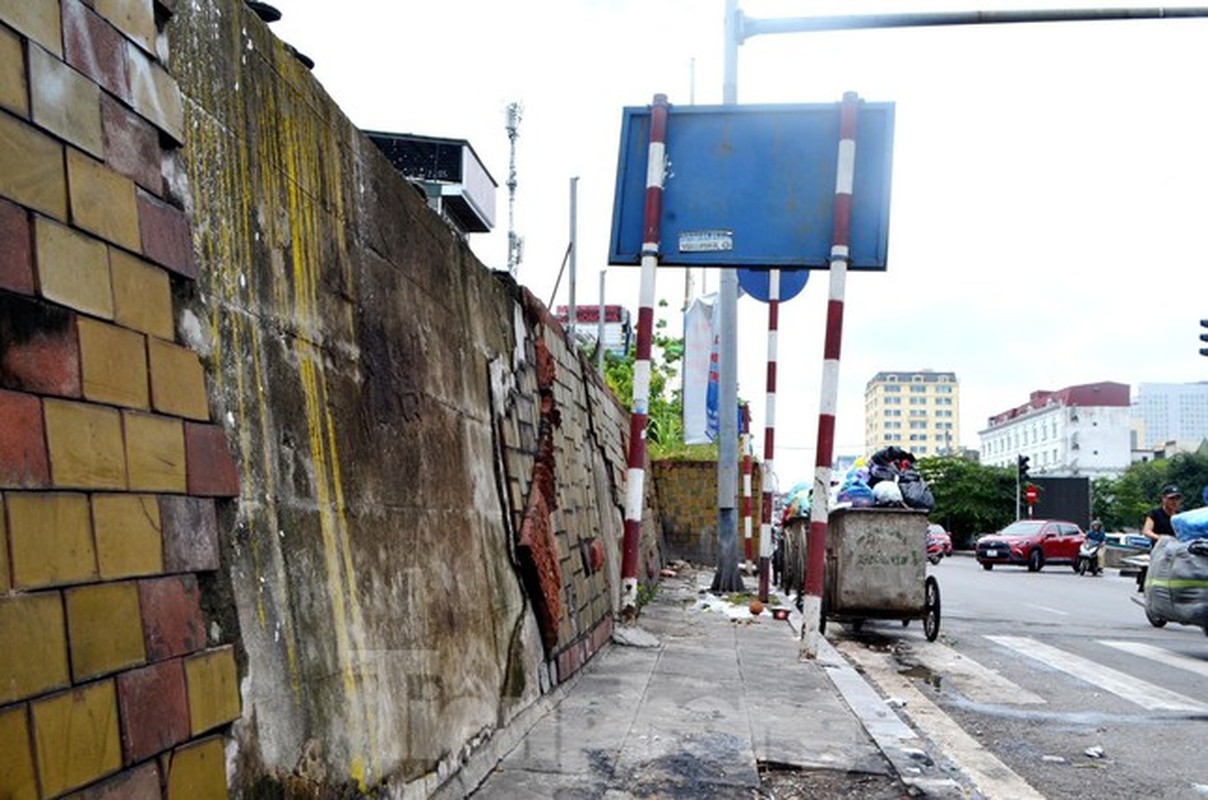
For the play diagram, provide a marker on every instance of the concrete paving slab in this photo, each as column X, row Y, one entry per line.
column 695, row 716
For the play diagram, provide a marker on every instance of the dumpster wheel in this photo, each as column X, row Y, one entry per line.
column 931, row 610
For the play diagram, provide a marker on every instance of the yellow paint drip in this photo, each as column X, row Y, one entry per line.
column 288, row 155
column 301, row 162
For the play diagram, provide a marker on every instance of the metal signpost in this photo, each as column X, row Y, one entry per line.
column 752, row 187
column 635, row 496
column 738, row 28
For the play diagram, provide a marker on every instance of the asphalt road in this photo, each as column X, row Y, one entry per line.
column 1032, row 670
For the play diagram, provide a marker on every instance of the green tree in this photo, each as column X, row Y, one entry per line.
column 1123, row 502
column 665, row 410
column 970, row 498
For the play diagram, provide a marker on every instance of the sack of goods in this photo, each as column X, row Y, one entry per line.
column 1191, row 524
column 1176, row 587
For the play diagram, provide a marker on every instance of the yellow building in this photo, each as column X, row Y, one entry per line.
column 916, row 411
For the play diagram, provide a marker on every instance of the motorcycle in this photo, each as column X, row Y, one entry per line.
column 1088, row 558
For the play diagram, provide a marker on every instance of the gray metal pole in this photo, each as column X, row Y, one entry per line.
column 746, row 27
column 573, row 315
column 600, row 328
column 728, row 577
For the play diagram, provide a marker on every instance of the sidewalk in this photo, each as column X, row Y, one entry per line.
column 718, row 694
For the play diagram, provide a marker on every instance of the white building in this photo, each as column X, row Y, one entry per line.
column 1171, row 412
column 1078, row 430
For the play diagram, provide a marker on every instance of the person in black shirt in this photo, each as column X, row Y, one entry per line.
column 1157, row 523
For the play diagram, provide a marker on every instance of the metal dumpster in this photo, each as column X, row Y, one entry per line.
column 876, row 568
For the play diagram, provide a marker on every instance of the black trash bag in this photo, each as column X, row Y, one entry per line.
column 916, row 494
column 891, row 456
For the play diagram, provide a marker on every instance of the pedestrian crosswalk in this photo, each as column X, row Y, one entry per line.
column 1148, row 695
column 897, row 673
column 988, row 686
column 1161, row 655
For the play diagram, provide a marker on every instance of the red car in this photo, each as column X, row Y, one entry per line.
column 1034, row 542
column 939, row 543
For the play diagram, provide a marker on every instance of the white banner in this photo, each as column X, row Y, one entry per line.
column 700, row 326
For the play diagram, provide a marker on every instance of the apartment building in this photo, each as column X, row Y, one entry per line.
column 916, row 411
column 1078, row 430
column 1170, row 412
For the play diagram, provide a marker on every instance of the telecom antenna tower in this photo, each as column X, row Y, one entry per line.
column 515, row 243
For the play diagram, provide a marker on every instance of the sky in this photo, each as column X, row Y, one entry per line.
column 1049, row 212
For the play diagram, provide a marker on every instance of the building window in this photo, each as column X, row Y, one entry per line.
column 892, row 401
column 918, row 388
column 944, row 389
column 892, row 388
column 918, row 401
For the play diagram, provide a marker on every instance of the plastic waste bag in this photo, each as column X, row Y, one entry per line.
column 857, row 492
column 1176, row 586
column 914, row 490
column 887, row 494
column 1191, row 524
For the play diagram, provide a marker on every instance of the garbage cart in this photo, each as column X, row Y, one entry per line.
column 876, row 568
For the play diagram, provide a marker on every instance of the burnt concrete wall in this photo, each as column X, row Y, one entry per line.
column 687, row 510
column 296, row 498
column 427, row 533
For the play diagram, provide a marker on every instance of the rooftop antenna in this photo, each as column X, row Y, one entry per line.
column 515, row 243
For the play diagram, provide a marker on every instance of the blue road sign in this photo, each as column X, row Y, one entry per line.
column 754, row 186
column 758, row 284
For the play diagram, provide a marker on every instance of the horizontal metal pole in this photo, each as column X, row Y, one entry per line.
column 751, row 26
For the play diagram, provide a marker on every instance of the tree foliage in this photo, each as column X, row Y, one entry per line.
column 1123, row 502
column 665, row 410
column 970, row 498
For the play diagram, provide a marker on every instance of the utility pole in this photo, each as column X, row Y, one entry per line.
column 515, row 243
column 573, row 316
column 728, row 578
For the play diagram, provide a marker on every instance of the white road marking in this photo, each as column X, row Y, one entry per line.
column 976, row 682
column 1050, row 610
column 990, row 776
column 1160, row 654
column 1134, row 690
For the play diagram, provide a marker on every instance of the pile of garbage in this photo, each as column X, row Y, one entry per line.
column 887, row 480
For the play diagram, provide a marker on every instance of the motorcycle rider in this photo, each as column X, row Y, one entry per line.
column 1097, row 535
column 1157, row 523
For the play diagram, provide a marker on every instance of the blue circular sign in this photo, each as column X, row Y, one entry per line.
column 757, row 283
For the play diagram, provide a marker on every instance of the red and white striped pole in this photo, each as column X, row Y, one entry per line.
column 840, row 255
column 769, row 435
column 636, row 479
column 746, row 487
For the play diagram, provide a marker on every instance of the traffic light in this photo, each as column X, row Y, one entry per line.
column 1023, row 468
column 1204, row 337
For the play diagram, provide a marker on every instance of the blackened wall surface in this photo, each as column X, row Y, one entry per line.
column 394, row 407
